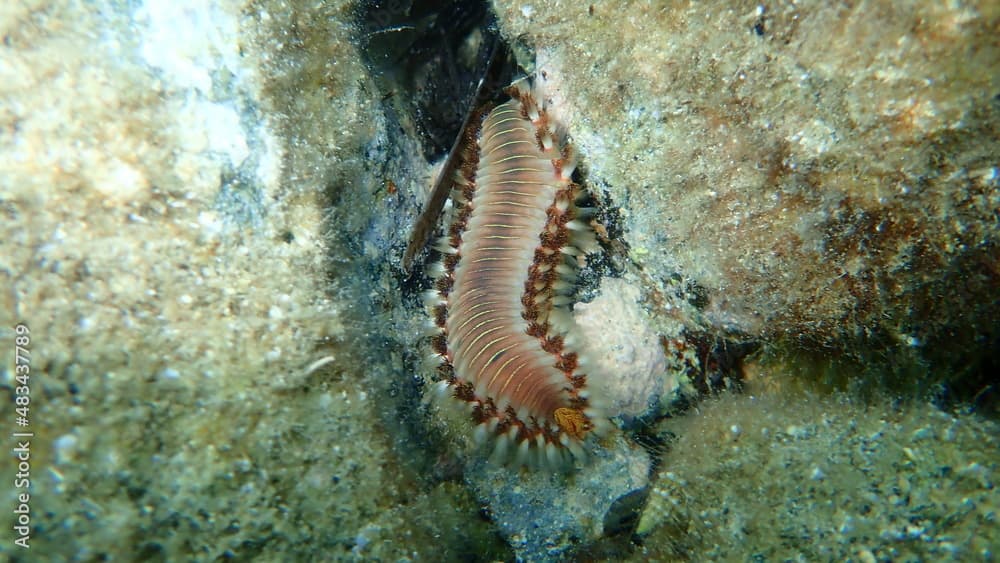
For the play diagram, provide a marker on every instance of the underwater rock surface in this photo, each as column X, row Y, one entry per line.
column 196, row 391
column 824, row 479
column 546, row 516
column 826, row 174
column 203, row 211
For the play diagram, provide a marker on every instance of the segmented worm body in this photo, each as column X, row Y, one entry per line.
column 503, row 286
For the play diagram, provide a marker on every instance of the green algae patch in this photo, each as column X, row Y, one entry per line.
column 823, row 477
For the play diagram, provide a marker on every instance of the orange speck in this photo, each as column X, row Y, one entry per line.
column 572, row 421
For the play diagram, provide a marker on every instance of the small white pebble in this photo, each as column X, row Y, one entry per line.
column 817, row 474
column 170, row 373
column 797, row 431
column 64, row 447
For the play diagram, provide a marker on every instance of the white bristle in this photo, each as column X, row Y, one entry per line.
column 553, row 456
column 444, row 246
column 601, row 426
column 432, row 298
column 435, row 270
column 499, row 454
column 523, row 449
column 585, row 241
column 480, row 434
column 575, row 225
column 562, row 286
column 569, row 276
column 538, row 90
column 565, row 269
column 547, row 142
column 561, row 320
column 570, row 339
column 441, row 389
column 599, row 404
column 560, row 300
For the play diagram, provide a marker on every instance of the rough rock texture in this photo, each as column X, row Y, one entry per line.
column 165, row 169
column 822, row 478
column 546, row 516
column 203, row 207
column 824, row 173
